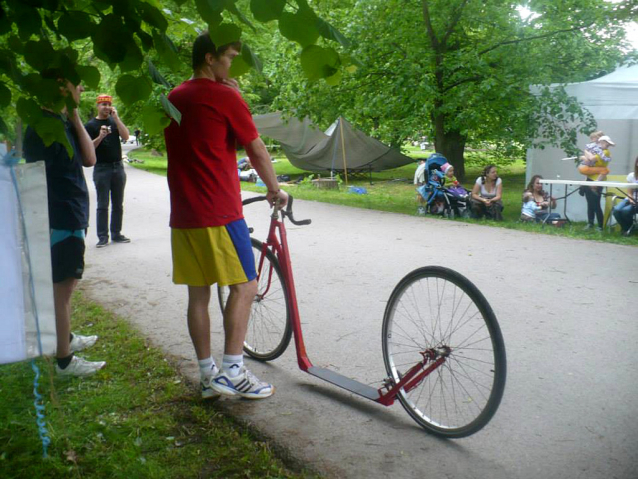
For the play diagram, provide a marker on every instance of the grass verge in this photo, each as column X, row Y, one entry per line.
column 137, row 418
column 393, row 191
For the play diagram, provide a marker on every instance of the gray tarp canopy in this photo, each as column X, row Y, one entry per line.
column 342, row 147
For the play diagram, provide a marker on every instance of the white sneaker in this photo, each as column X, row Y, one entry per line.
column 80, row 367
column 205, row 384
column 245, row 384
column 80, row 343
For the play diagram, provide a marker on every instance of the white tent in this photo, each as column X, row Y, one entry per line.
column 613, row 101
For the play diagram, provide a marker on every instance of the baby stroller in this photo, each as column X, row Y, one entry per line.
column 451, row 201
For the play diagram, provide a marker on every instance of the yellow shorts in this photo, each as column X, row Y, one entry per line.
column 218, row 254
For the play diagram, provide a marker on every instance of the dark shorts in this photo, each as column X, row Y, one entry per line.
column 67, row 254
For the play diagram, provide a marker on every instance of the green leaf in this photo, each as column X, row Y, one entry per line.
column 146, row 39
column 90, row 76
column 231, row 7
column 75, row 25
column 5, row 96
column 170, row 109
column 267, row 10
column 4, row 129
column 5, row 22
column 239, row 67
column 28, row 110
column 111, row 40
column 251, row 59
column 318, row 62
column 153, row 16
column 329, row 32
column 39, row 54
column 335, row 79
column 133, row 58
column 154, row 120
column 16, row 45
column 224, row 34
column 167, row 52
column 299, row 27
column 212, row 15
column 132, row 89
column 156, row 76
column 28, row 22
column 52, row 130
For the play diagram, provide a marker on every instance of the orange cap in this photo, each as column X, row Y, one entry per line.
column 104, row 98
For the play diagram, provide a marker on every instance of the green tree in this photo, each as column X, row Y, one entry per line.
column 460, row 71
column 138, row 47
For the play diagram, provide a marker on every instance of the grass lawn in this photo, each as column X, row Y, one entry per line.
column 136, row 418
column 393, row 191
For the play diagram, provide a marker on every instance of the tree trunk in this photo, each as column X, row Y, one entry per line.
column 452, row 145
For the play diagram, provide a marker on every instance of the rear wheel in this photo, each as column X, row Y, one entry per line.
column 437, row 310
column 269, row 329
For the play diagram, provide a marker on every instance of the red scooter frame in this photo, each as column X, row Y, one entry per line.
column 277, row 242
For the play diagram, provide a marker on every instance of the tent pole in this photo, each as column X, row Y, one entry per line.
column 343, row 151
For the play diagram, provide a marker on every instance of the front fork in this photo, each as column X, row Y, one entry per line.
column 435, row 357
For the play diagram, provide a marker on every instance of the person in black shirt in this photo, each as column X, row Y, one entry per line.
column 109, row 177
column 68, row 200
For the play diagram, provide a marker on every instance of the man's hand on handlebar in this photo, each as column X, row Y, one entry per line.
column 280, row 196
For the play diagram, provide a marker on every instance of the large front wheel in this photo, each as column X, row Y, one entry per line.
column 439, row 313
column 269, row 329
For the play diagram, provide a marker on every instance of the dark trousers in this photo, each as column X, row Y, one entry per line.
column 624, row 213
column 110, row 180
column 592, row 195
column 492, row 212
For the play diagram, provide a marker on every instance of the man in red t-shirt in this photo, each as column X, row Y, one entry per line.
column 209, row 237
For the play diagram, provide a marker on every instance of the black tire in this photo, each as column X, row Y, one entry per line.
column 269, row 329
column 436, row 307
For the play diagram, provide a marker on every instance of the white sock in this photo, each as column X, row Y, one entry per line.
column 206, row 366
column 232, row 364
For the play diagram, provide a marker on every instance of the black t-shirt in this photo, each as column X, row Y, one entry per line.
column 110, row 149
column 66, row 186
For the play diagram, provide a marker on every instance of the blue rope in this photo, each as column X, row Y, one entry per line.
column 39, row 411
column 11, row 159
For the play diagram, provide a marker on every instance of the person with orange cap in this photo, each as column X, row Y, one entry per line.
column 108, row 175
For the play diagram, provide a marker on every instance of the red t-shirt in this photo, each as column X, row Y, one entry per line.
column 202, row 161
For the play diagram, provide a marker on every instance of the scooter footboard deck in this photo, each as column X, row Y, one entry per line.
column 351, row 385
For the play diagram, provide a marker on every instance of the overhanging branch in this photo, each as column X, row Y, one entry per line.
column 534, row 37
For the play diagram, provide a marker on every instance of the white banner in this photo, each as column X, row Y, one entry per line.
column 25, row 265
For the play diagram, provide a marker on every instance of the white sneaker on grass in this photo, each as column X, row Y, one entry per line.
column 245, row 384
column 205, row 384
column 80, row 367
column 80, row 343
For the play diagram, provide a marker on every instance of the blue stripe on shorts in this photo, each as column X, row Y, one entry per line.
column 61, row 235
column 240, row 236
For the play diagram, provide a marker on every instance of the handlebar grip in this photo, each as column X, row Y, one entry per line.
column 287, row 212
column 253, row 200
column 300, row 223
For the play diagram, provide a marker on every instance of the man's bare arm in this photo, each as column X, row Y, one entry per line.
column 260, row 159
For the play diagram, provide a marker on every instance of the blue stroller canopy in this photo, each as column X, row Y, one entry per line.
column 435, row 161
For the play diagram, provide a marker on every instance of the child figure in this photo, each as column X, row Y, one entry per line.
column 595, row 157
column 450, row 179
column 530, row 207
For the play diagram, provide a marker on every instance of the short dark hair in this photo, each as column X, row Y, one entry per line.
column 204, row 44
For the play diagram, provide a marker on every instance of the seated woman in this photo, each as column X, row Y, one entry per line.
column 542, row 199
column 625, row 210
column 487, row 194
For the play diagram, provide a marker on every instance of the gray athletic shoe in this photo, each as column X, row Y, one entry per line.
column 205, row 384
column 80, row 343
column 80, row 367
column 245, row 385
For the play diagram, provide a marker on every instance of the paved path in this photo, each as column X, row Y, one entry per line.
column 567, row 309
